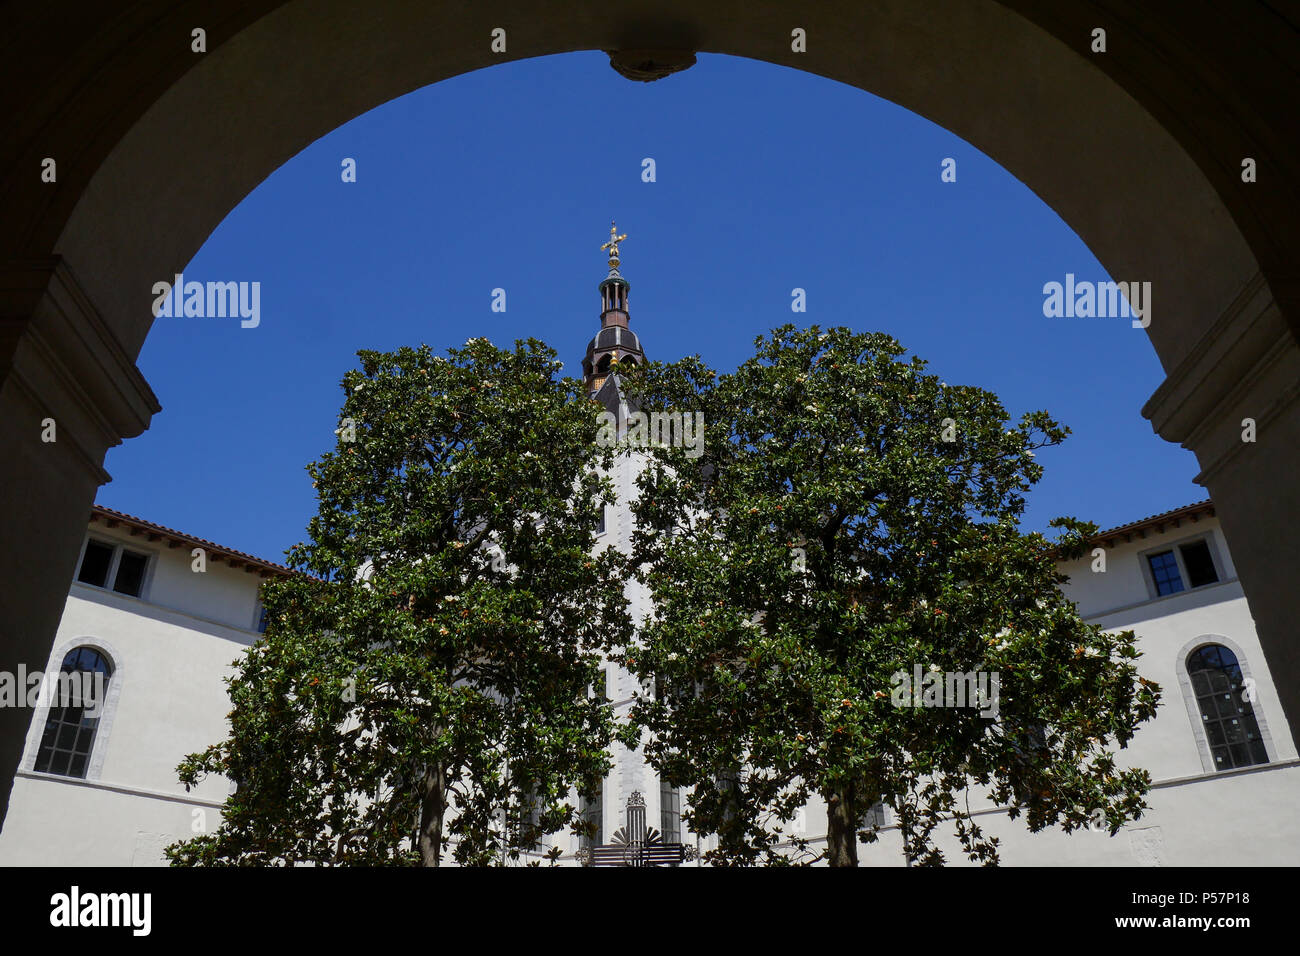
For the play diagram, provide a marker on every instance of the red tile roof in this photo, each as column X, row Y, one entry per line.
column 176, row 539
column 1192, row 512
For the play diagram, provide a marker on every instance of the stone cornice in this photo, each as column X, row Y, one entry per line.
column 1244, row 367
column 56, row 348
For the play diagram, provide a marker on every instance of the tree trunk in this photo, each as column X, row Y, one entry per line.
column 433, row 808
column 841, row 829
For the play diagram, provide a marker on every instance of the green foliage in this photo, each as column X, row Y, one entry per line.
column 426, row 674
column 829, row 538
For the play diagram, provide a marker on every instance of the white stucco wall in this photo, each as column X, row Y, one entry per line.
column 1197, row 816
column 172, row 648
column 166, row 699
column 1168, row 628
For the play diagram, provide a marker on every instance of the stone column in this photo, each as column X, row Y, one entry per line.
column 63, row 375
column 1247, row 366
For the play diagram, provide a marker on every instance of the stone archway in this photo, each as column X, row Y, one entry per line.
column 1139, row 149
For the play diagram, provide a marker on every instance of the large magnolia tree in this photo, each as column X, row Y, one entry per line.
column 852, row 525
column 423, row 683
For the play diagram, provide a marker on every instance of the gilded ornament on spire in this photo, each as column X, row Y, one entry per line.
column 612, row 245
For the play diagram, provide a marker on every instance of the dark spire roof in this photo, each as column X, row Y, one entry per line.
column 615, row 344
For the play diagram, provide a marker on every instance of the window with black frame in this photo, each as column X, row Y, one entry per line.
column 590, row 811
column 102, row 563
column 729, row 784
column 530, row 823
column 670, row 812
column 875, row 817
column 1227, row 714
column 73, row 720
column 1189, row 565
column 1199, row 563
column 95, row 564
column 1164, row 573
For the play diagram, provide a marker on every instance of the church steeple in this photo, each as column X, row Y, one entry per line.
column 615, row 344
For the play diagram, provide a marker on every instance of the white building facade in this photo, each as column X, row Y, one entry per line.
column 164, row 616
column 1221, row 754
column 103, row 791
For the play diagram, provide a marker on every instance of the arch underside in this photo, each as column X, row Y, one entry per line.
column 1139, row 149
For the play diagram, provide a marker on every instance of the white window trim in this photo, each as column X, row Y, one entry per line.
column 1194, row 710
column 1176, row 547
column 146, row 581
column 107, row 710
column 600, row 687
column 876, row 815
column 599, row 838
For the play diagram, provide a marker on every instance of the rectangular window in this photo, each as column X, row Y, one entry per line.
column 875, row 817
column 105, row 564
column 94, row 565
column 1182, row 567
column 1199, row 563
column 600, row 525
column 130, row 573
column 728, row 784
column 1164, row 573
column 590, row 810
column 670, row 812
column 530, row 835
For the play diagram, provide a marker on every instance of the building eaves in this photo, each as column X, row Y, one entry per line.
column 1155, row 523
column 177, row 539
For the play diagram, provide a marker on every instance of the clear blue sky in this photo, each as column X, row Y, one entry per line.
column 767, row 179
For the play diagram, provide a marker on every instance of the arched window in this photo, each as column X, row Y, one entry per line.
column 77, row 697
column 1227, row 713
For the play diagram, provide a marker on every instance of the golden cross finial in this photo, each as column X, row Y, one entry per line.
column 612, row 245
